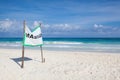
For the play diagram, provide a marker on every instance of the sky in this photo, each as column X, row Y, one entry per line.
column 61, row 18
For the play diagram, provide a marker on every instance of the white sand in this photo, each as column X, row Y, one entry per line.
column 59, row 65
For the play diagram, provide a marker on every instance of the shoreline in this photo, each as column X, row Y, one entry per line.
column 60, row 50
column 59, row 65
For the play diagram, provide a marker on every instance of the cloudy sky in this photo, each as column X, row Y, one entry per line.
column 61, row 18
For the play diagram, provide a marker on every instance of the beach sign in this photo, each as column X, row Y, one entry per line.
column 32, row 38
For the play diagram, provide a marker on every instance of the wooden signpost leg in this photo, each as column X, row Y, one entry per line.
column 23, row 46
column 22, row 57
column 43, row 59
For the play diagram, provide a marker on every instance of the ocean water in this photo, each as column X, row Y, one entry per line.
column 69, row 44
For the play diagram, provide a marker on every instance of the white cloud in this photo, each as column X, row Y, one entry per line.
column 62, row 26
column 102, row 29
column 65, row 27
column 98, row 26
column 6, row 24
column 36, row 23
column 16, row 27
column 46, row 25
column 60, row 29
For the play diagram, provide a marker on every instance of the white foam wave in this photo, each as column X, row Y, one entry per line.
column 61, row 42
column 10, row 44
column 69, row 45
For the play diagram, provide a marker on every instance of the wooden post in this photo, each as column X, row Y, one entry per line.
column 23, row 45
column 43, row 59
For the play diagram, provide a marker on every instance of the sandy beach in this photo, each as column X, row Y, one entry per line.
column 59, row 65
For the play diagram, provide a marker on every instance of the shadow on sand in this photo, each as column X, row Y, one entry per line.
column 17, row 60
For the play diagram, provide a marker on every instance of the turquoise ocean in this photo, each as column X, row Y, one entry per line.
column 69, row 44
